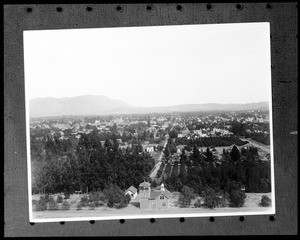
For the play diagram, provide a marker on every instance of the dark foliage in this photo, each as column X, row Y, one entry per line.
column 237, row 198
column 186, row 196
column 265, row 201
column 65, row 205
column 211, row 141
column 41, row 204
column 115, row 196
column 210, row 197
column 87, row 165
column 59, row 199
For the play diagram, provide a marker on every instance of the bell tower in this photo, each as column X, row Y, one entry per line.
column 144, row 190
column 162, row 187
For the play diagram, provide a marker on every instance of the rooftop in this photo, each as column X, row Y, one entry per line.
column 144, row 184
column 132, row 189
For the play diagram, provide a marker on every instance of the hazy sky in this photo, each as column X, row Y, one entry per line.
column 152, row 66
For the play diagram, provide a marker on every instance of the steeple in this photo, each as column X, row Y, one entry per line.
column 144, row 189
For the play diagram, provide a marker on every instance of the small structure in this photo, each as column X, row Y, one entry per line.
column 150, row 149
column 153, row 198
column 132, row 191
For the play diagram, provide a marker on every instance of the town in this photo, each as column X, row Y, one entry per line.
column 180, row 155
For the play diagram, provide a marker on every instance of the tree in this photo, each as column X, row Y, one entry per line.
column 237, row 198
column 235, row 154
column 265, row 201
column 210, row 197
column 233, row 185
column 194, row 181
column 186, row 196
column 236, row 194
column 154, row 184
column 128, row 198
column 238, row 128
column 167, row 152
column 116, row 197
column 187, row 148
column 173, row 133
column 160, row 147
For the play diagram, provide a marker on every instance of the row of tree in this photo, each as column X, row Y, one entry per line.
column 199, row 171
column 87, row 165
column 211, row 141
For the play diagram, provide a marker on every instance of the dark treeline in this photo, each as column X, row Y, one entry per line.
column 211, row 141
column 86, row 164
column 200, row 170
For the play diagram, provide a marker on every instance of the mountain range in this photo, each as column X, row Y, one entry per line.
column 102, row 105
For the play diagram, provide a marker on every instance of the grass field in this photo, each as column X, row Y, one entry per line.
column 251, row 205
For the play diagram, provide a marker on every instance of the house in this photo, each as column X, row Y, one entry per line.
column 150, row 149
column 185, row 133
column 153, row 198
column 132, row 191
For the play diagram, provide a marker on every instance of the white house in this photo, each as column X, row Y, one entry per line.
column 132, row 191
column 150, row 149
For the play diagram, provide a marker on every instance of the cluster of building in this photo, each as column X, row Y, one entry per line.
column 152, row 129
column 149, row 197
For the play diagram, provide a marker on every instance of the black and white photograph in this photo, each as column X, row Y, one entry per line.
column 149, row 122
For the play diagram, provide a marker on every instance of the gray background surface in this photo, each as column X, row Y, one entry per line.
column 283, row 23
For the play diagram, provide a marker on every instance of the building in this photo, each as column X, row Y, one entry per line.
column 153, row 198
column 132, row 191
column 150, row 149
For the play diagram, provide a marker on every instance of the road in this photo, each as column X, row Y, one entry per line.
column 157, row 165
column 263, row 147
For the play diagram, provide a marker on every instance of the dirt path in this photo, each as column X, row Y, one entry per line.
column 157, row 165
column 263, row 147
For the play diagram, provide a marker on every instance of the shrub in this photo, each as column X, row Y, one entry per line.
column 92, row 206
column 66, row 205
column 79, row 206
column 197, row 204
column 84, row 200
column 265, row 201
column 67, row 195
column 52, row 204
column 136, row 204
column 97, row 197
column 222, row 201
column 121, row 204
column 237, row 198
column 47, row 197
column 59, row 199
column 41, row 204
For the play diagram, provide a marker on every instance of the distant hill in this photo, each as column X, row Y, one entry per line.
column 81, row 105
column 212, row 107
column 102, row 105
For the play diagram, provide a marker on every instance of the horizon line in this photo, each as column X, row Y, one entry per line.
column 94, row 95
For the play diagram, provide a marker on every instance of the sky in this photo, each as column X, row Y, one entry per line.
column 152, row 66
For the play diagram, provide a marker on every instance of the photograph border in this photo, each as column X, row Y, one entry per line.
column 283, row 23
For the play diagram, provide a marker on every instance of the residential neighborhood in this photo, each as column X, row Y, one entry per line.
column 166, row 160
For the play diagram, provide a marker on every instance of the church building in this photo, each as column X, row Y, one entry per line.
column 157, row 198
